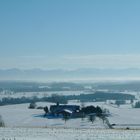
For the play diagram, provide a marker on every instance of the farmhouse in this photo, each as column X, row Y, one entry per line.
column 60, row 109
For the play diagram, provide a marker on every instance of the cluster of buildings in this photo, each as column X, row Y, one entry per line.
column 69, row 110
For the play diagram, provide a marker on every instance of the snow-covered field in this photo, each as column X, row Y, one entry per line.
column 21, row 116
column 29, row 124
column 67, row 134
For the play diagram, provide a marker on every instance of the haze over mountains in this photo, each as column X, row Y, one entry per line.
column 77, row 74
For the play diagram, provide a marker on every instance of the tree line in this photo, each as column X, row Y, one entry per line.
column 98, row 96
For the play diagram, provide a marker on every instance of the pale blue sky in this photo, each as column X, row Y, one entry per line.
column 69, row 33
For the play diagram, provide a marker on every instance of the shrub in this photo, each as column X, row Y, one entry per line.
column 137, row 104
column 32, row 105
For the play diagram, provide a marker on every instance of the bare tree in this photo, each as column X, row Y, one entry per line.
column 2, row 124
column 82, row 114
column 92, row 118
column 66, row 116
column 105, row 121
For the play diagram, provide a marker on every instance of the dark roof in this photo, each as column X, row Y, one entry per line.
column 57, row 108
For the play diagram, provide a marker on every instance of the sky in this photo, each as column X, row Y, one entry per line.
column 69, row 34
